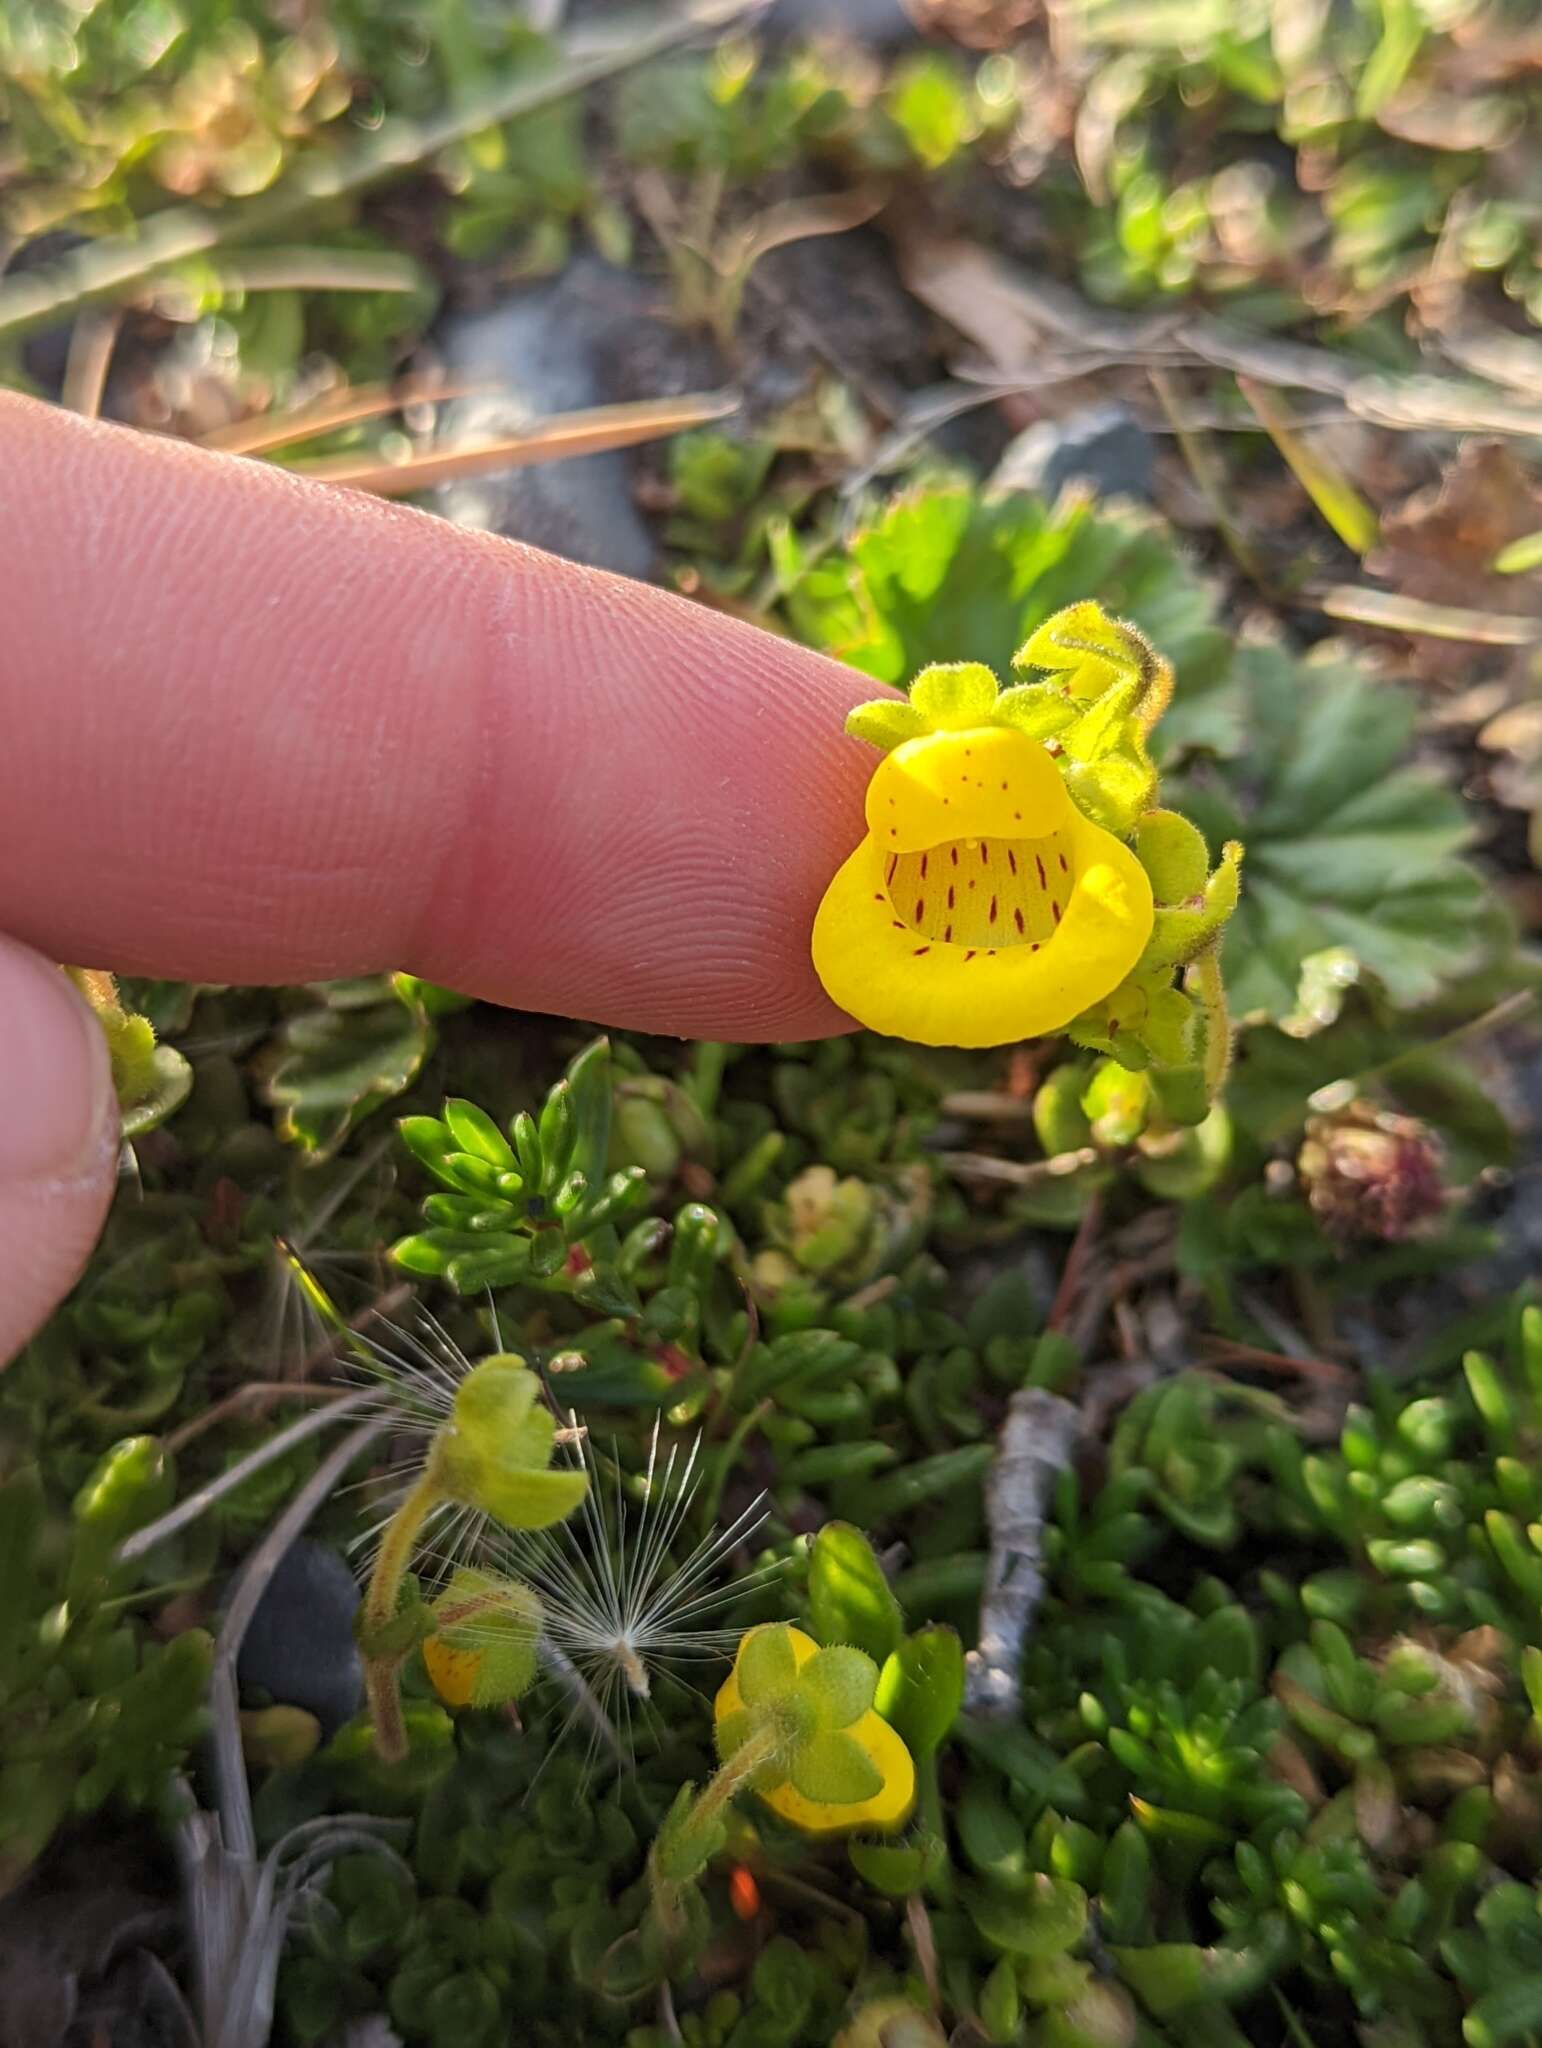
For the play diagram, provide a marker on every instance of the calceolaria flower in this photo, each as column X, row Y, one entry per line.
column 995, row 896
column 829, row 1761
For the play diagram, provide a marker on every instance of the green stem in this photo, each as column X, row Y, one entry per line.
column 1212, row 993
column 760, row 1748
column 381, row 1600
column 668, row 1893
column 383, row 1697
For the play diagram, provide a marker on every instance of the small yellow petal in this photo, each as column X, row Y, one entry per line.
column 452, row 1673
column 988, row 780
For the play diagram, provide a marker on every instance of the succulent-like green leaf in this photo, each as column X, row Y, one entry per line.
column 849, row 1598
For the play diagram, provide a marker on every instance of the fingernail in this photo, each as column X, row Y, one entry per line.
column 55, row 1079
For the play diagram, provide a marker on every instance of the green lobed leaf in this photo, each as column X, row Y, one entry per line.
column 1348, row 844
column 945, row 573
column 352, row 1053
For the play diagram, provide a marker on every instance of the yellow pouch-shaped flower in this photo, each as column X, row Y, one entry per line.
column 880, row 1746
column 982, row 906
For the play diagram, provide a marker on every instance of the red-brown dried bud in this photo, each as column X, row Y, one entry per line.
column 1370, row 1174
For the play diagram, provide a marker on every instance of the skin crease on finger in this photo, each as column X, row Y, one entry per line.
column 263, row 730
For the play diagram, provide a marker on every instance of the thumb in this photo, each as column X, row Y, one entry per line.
column 58, row 1139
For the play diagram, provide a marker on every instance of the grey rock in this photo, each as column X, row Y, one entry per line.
column 537, row 352
column 299, row 1648
column 883, row 24
column 1102, row 446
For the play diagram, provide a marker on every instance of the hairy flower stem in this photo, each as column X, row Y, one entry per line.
column 381, row 1599
column 668, row 1893
column 1212, row 993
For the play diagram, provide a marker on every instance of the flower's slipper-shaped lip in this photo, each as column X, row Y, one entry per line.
column 1052, row 928
column 887, row 1809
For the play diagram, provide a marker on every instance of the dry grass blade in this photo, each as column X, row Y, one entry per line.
column 1360, row 605
column 1335, row 497
column 1439, row 404
column 590, row 432
column 1209, row 473
column 320, row 270
column 1023, row 323
column 92, row 341
column 796, row 220
column 118, row 266
column 345, row 408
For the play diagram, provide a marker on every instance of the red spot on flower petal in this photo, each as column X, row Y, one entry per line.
column 1017, row 917
column 1011, row 860
column 953, row 855
column 1055, row 911
column 924, row 859
column 947, row 933
column 993, row 910
column 952, row 892
column 1043, row 878
column 920, row 950
column 1064, row 867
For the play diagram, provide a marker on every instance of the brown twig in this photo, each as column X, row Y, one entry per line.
column 1076, row 1260
column 258, row 1394
column 1019, row 1173
column 1226, row 1351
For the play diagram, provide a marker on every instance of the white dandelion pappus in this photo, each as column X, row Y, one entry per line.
column 619, row 1613
column 618, row 1610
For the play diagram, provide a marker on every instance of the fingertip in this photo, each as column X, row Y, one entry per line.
column 58, row 1139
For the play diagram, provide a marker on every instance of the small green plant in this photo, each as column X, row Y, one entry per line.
column 491, row 1455
column 91, row 1714
column 536, row 1206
